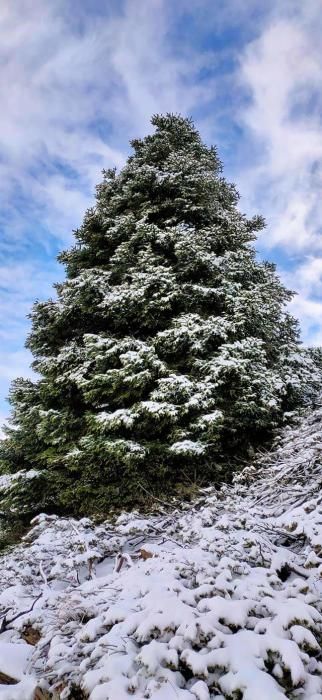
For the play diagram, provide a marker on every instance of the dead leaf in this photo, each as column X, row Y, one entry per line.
column 30, row 635
column 145, row 554
column 41, row 694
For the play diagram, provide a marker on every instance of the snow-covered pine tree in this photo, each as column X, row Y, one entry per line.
column 168, row 345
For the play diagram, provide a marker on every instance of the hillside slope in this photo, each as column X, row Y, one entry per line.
column 219, row 599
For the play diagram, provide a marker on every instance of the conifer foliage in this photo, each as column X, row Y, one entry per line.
column 168, row 345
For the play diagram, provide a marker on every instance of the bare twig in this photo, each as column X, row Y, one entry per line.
column 164, row 503
column 5, row 623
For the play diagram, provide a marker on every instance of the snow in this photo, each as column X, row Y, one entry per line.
column 158, row 408
column 8, row 480
column 14, row 663
column 25, row 690
column 187, row 447
column 220, row 598
column 121, row 416
column 14, row 658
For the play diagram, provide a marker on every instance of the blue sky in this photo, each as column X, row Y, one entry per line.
column 78, row 80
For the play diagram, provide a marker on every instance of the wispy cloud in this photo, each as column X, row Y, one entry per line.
column 78, row 81
column 20, row 284
column 306, row 278
column 73, row 93
column 282, row 73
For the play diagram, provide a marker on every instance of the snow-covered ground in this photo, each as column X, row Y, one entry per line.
column 218, row 599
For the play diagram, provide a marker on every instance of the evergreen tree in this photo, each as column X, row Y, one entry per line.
column 168, row 346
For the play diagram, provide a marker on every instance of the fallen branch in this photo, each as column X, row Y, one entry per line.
column 4, row 626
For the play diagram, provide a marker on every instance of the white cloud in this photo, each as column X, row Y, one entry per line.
column 307, row 303
column 75, row 87
column 17, row 365
column 282, row 73
column 69, row 92
column 20, row 283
